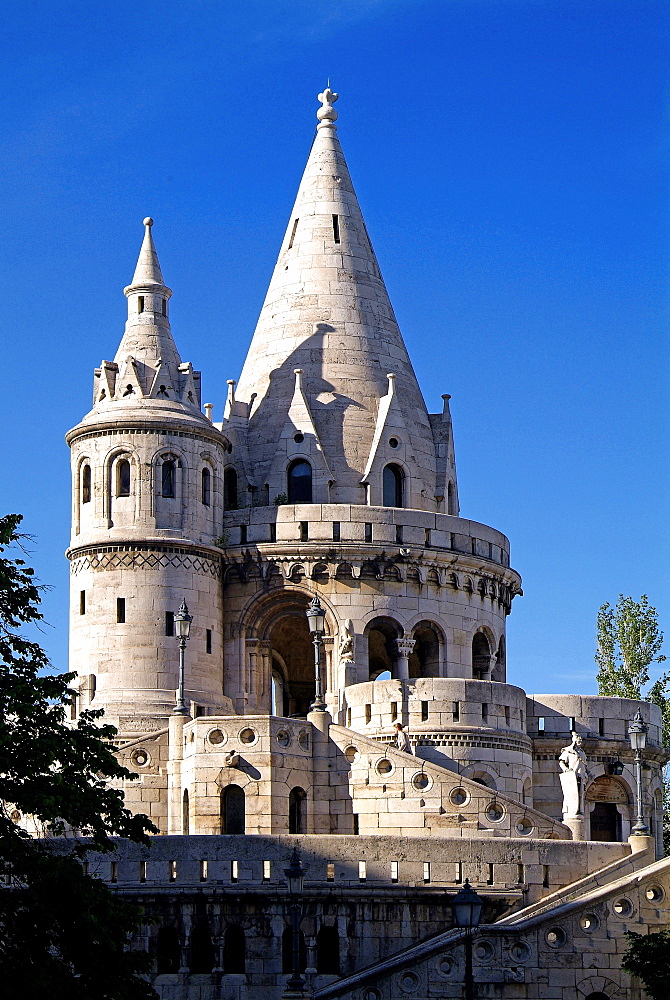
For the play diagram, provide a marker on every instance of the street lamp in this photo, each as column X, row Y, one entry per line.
column 637, row 734
column 466, row 906
column 295, row 876
column 316, row 618
column 182, row 621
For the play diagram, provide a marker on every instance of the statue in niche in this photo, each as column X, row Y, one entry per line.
column 574, row 772
column 346, row 650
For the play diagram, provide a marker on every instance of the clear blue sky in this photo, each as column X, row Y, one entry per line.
column 511, row 159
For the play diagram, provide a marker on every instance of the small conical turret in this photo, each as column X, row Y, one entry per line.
column 328, row 313
column 147, row 370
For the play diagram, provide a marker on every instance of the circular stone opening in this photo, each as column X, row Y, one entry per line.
column 555, row 937
column 458, row 796
column 519, row 951
column 623, row 907
column 495, row 812
column 589, row 922
column 421, row 781
column 298, row 438
column 524, row 827
column 248, row 736
column 216, row 737
column 445, row 966
column 654, row 893
column 140, row 758
column 303, row 739
column 283, row 738
column 484, row 951
column 394, row 442
column 351, row 753
column 384, row 766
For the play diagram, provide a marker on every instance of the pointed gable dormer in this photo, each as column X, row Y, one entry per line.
column 147, row 369
column 327, row 312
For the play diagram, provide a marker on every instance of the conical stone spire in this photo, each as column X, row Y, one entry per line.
column 148, row 270
column 328, row 313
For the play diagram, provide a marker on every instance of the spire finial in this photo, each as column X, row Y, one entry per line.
column 327, row 113
column 148, row 270
column 148, row 221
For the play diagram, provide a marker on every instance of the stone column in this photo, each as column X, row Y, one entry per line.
column 176, row 724
column 404, row 649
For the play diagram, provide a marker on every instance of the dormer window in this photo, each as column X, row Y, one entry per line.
column 299, row 481
column 140, row 303
column 393, row 486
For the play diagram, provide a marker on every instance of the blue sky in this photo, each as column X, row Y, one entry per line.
column 511, row 160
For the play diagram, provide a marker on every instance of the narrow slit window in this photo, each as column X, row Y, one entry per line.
column 206, row 487
column 601, row 727
column 368, row 531
column 120, row 610
column 234, row 871
column 86, row 484
column 140, row 303
column 208, row 640
column 123, row 478
column 520, row 874
column 459, row 871
column 424, row 711
column 368, row 714
column 356, row 824
column 540, row 723
column 82, row 602
column 336, row 228
column 348, row 718
column 426, row 540
column 143, row 871
column 426, row 871
column 114, row 872
column 456, row 711
column 164, row 307
column 169, row 623
column 398, row 534
column 172, row 871
column 336, row 531
column 545, row 876
column 394, row 871
column 330, row 871
column 490, row 876
column 507, row 715
column 168, row 478
column 362, row 871
column 267, row 871
column 293, row 232
column 273, row 532
column 243, row 534
column 485, row 712
column 204, row 871
column 394, row 711
column 304, row 531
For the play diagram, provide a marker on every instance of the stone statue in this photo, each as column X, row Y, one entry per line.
column 346, row 651
column 574, row 772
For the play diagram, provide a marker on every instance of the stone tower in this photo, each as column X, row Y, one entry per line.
column 146, row 511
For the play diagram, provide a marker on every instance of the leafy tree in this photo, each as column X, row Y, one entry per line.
column 629, row 641
column 648, row 957
column 63, row 934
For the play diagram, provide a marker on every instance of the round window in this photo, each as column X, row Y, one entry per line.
column 484, row 951
column 384, row 766
column 555, row 937
column 299, row 438
column 283, row 738
column 589, row 922
column 421, row 781
column 654, row 893
column 351, row 753
column 394, row 442
column 495, row 812
column 216, row 737
column 248, row 736
column 622, row 907
column 303, row 739
column 140, row 758
column 458, row 796
column 524, row 827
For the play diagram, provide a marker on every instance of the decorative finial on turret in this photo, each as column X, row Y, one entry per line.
column 327, row 113
column 148, row 221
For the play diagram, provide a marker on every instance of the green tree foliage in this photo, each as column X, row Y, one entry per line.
column 648, row 957
column 63, row 934
column 629, row 641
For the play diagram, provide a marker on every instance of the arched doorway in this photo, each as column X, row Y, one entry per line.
column 424, row 660
column 381, row 634
column 297, row 811
column 606, row 798
column 233, row 818
column 292, row 646
column 481, row 656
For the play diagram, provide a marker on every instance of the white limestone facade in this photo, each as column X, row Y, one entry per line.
column 328, row 478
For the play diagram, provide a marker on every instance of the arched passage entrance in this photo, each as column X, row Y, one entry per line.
column 293, row 660
column 382, row 654
column 606, row 800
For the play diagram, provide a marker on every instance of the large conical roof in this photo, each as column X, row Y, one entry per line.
column 328, row 313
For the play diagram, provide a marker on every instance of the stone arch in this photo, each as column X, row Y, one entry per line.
column 121, row 503
column 426, row 658
column 381, row 633
column 299, row 479
column 482, row 646
column 393, row 485
column 233, row 810
column 482, row 776
column 608, row 801
column 297, row 810
column 234, row 950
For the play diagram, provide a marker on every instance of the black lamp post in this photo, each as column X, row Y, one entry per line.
column 182, row 622
column 316, row 618
column 637, row 734
column 295, row 876
column 467, row 909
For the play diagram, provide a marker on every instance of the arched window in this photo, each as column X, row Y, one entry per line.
column 168, row 477
column 424, row 660
column 123, row 478
column 328, row 952
column 86, row 484
column 230, row 489
column 202, row 950
column 287, row 951
column 206, row 487
column 299, row 481
column 232, row 810
column 481, row 656
column 393, row 481
column 234, row 951
column 297, row 811
column 168, row 952
column 382, row 651
column 185, row 818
